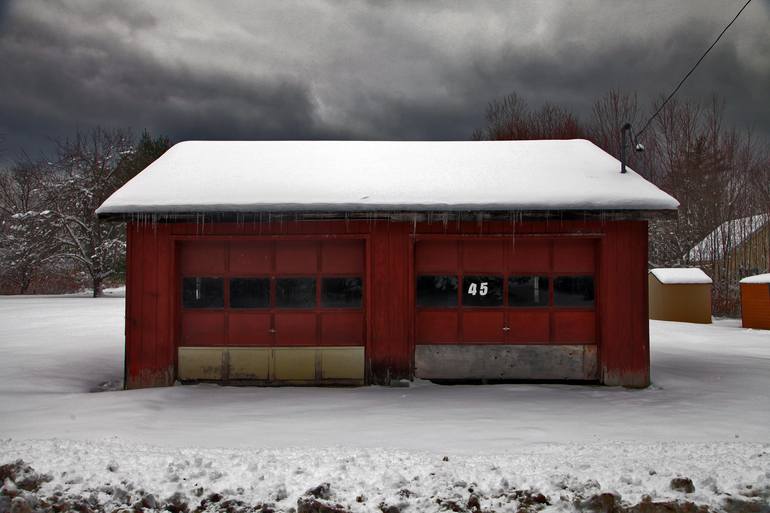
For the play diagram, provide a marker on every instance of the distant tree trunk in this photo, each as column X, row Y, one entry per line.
column 98, row 284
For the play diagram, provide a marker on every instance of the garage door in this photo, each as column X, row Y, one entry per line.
column 289, row 310
column 505, row 309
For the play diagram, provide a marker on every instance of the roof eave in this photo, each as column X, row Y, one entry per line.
column 396, row 215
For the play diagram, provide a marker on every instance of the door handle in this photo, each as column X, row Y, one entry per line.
column 272, row 330
column 506, row 328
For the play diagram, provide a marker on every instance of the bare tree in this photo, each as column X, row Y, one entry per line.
column 25, row 231
column 720, row 176
column 84, row 174
column 511, row 119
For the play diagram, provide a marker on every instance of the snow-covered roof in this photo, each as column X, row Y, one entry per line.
column 727, row 237
column 364, row 176
column 680, row 276
column 759, row 278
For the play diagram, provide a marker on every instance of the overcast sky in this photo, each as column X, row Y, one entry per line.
column 362, row 70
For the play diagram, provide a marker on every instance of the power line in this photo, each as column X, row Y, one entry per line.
column 692, row 69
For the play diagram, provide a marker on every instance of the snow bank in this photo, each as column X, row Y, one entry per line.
column 705, row 418
column 759, row 278
column 681, row 276
column 256, row 176
column 53, row 351
column 118, row 474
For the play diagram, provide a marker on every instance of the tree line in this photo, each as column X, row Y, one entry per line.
column 50, row 239
column 719, row 174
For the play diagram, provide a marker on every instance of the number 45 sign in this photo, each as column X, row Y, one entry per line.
column 481, row 288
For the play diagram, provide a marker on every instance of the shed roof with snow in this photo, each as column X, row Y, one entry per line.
column 367, row 176
column 759, row 278
column 679, row 294
column 680, row 276
column 727, row 237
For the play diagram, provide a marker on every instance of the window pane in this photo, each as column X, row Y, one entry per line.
column 341, row 292
column 249, row 292
column 573, row 291
column 437, row 291
column 202, row 292
column 295, row 292
column 482, row 291
column 528, row 291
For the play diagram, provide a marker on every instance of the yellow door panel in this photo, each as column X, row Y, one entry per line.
column 342, row 363
column 294, row 364
column 201, row 363
column 249, row 363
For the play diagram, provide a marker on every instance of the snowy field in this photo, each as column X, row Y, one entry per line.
column 706, row 417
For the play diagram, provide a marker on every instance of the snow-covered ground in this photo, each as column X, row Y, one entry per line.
column 707, row 417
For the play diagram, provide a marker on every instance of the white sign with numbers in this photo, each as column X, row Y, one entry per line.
column 481, row 289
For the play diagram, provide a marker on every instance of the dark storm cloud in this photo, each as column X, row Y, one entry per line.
column 390, row 70
column 55, row 82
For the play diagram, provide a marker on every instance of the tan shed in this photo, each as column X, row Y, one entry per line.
column 755, row 301
column 681, row 294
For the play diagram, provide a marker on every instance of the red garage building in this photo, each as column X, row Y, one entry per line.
column 359, row 262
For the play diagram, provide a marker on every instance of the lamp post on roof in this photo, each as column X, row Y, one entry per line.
column 627, row 133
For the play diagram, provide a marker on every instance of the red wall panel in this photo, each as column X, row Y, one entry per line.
column 483, row 256
column 208, row 259
column 342, row 329
column 574, row 327
column 251, row 258
column 529, row 256
column 249, row 328
column 624, row 350
column 150, row 350
column 437, row 327
column 203, row 328
column 574, row 255
column 483, row 327
column 296, row 257
column 621, row 328
column 438, row 256
column 529, row 326
column 296, row 328
column 342, row 257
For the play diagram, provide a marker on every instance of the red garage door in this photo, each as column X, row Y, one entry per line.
column 271, row 293
column 525, row 291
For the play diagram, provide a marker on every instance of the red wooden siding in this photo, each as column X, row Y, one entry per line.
column 624, row 322
column 150, row 349
column 388, row 255
column 505, row 257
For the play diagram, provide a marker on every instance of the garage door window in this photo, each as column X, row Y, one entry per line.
column 483, row 291
column 295, row 292
column 341, row 292
column 202, row 292
column 249, row 292
column 437, row 291
column 528, row 291
column 573, row 291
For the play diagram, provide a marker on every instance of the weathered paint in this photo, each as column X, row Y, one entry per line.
column 620, row 321
column 309, row 365
column 543, row 362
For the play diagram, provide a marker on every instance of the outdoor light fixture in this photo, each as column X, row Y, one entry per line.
column 639, row 147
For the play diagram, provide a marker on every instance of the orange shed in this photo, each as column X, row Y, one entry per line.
column 755, row 301
column 680, row 294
